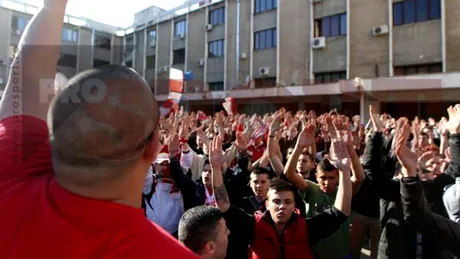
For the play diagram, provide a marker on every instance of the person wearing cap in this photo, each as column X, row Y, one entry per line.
column 162, row 199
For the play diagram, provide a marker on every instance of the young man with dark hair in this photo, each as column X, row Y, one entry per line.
column 279, row 225
column 259, row 181
column 203, row 230
column 323, row 195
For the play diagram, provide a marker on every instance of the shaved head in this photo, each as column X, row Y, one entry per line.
column 100, row 123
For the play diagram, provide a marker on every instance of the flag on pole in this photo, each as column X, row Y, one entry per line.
column 230, row 106
column 176, row 88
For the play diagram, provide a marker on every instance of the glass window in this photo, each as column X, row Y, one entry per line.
column 409, row 11
column 327, row 78
column 435, row 9
column 326, row 27
column 219, row 86
column 343, row 24
column 275, row 37
column 317, row 32
column 269, row 38
column 217, row 16
column 179, row 56
column 335, row 25
column 180, row 28
column 152, row 36
column 398, row 14
column 422, row 10
column 436, row 68
column 263, row 5
column 216, row 48
column 69, row 35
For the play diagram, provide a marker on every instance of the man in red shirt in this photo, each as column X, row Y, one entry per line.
column 72, row 188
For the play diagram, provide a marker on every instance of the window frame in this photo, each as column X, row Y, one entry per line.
column 220, row 20
column 324, row 26
column 261, row 6
column 432, row 12
column 261, row 39
column 212, row 88
column 333, row 77
column 178, row 24
column 181, row 60
column 68, row 31
column 219, row 45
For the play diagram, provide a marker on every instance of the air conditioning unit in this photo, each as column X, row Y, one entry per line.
column 264, row 71
column 380, row 30
column 243, row 55
column 318, row 43
column 200, row 62
column 316, row 1
column 182, row 36
column 209, row 27
column 153, row 43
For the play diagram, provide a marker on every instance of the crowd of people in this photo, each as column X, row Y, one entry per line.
column 95, row 171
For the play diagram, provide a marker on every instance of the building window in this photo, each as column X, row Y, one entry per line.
column 19, row 24
column 69, row 35
column 179, row 56
column 219, row 86
column 103, row 42
column 330, row 77
column 152, row 37
column 150, row 62
column 265, row 82
column 418, row 69
column 331, row 26
column 265, row 39
column 412, row 11
column 217, row 16
column 265, row 5
column 100, row 63
column 216, row 48
column 180, row 28
column 129, row 63
column 67, row 60
column 129, row 47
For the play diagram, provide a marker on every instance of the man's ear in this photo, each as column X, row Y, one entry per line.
column 209, row 248
column 266, row 203
column 153, row 148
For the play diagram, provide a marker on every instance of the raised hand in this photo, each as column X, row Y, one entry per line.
column 174, row 145
column 216, row 157
column 454, row 119
column 442, row 126
column 376, row 121
column 406, row 157
column 241, row 143
column 276, row 124
column 339, row 156
column 307, row 136
column 330, row 129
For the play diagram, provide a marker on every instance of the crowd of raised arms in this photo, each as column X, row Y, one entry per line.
column 94, row 171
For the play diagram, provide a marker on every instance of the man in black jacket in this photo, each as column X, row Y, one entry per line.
column 443, row 233
column 398, row 239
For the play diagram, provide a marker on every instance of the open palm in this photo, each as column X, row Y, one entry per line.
column 216, row 157
column 339, row 156
column 307, row 136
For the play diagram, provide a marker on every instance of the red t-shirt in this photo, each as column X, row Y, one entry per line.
column 40, row 219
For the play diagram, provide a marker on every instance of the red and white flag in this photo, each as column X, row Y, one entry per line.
column 230, row 106
column 176, row 88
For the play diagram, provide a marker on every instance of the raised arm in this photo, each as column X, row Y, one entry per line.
column 329, row 221
column 305, row 139
column 36, row 61
column 373, row 162
column 216, row 159
column 417, row 211
column 272, row 146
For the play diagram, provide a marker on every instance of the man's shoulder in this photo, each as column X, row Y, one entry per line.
column 146, row 239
